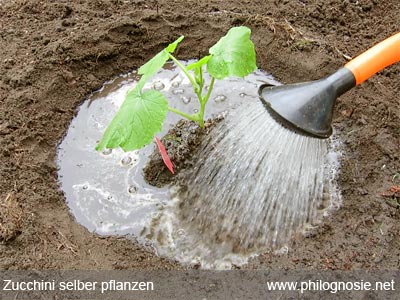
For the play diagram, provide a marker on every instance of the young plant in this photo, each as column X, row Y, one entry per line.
column 143, row 112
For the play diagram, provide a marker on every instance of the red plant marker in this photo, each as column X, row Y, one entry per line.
column 167, row 161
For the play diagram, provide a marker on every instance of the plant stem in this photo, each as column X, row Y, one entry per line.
column 185, row 115
column 207, row 96
column 182, row 67
column 203, row 102
column 199, row 118
column 201, row 114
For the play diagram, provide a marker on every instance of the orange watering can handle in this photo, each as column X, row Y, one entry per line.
column 375, row 59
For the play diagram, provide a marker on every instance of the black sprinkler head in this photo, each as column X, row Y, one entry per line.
column 307, row 107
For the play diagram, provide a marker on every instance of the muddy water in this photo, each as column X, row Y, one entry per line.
column 106, row 191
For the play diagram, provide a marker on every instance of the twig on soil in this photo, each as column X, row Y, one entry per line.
column 10, row 218
column 65, row 243
column 97, row 58
column 274, row 25
column 270, row 22
column 395, row 176
column 347, row 57
column 62, row 242
column 289, row 28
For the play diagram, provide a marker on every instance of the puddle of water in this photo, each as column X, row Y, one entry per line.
column 106, row 192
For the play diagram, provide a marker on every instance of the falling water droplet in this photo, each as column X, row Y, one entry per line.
column 178, row 91
column 106, row 151
column 126, row 160
column 85, row 187
column 132, row 189
column 175, row 84
column 158, row 86
column 242, row 95
column 195, row 110
column 185, row 99
column 220, row 98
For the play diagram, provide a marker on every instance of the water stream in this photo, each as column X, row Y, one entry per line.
column 256, row 183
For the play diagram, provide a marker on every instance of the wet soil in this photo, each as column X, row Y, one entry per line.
column 181, row 143
column 52, row 55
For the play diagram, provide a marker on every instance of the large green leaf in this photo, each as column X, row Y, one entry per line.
column 156, row 63
column 142, row 114
column 140, row 117
column 233, row 54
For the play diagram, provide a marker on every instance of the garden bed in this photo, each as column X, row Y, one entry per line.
column 54, row 54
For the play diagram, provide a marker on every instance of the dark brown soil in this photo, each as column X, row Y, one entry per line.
column 181, row 143
column 52, row 55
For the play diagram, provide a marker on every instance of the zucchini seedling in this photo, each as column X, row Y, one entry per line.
column 143, row 112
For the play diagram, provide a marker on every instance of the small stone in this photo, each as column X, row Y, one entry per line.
column 90, row 77
column 362, row 191
column 46, row 41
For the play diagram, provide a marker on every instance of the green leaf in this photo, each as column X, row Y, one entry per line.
column 156, row 63
column 197, row 69
column 171, row 47
column 142, row 114
column 198, row 63
column 233, row 54
column 140, row 117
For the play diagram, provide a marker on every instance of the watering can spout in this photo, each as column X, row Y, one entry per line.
column 307, row 107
